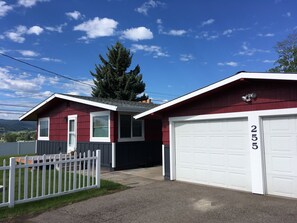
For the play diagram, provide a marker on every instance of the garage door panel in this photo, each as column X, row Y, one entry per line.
column 280, row 134
column 218, row 150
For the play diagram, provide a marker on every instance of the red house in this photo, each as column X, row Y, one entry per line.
column 238, row 133
column 76, row 123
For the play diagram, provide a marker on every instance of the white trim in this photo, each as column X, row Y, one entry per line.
column 172, row 153
column 99, row 139
column 69, row 98
column 242, row 75
column 163, row 160
column 256, row 155
column 48, row 133
column 113, row 155
column 131, row 139
column 69, row 118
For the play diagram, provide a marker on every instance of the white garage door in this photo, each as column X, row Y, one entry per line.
column 214, row 153
column 280, row 141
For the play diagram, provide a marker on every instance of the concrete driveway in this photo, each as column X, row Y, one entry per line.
column 165, row 201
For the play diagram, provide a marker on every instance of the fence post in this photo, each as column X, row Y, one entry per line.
column 98, row 167
column 60, row 174
column 89, row 166
column 11, row 182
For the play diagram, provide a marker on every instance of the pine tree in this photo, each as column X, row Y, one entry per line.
column 112, row 80
column 287, row 52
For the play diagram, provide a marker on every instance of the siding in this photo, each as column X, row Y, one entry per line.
column 56, row 147
column 271, row 94
column 60, row 109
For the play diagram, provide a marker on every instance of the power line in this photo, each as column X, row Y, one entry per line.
column 66, row 77
column 15, row 105
column 43, row 69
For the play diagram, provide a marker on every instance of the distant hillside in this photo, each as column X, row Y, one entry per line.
column 16, row 125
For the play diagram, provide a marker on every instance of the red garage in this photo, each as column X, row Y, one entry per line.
column 238, row 133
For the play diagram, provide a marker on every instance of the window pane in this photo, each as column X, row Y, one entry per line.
column 71, row 139
column 137, row 128
column 71, row 125
column 43, row 128
column 125, row 126
column 100, row 126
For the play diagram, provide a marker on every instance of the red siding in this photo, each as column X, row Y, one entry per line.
column 153, row 130
column 270, row 95
column 60, row 109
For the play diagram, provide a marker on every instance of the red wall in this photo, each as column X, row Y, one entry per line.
column 59, row 109
column 153, row 130
column 270, row 95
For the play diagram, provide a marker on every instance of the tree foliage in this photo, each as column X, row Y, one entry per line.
column 112, row 80
column 287, row 52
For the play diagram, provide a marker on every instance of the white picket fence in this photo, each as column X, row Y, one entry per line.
column 39, row 177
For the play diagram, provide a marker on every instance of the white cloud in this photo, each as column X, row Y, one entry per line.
column 74, row 15
column 48, row 59
column 97, row 27
column 139, row 33
column 58, row 28
column 287, row 14
column 156, row 51
column 15, row 82
column 177, row 32
column 227, row 32
column 266, row 35
column 17, row 34
column 30, row 3
column 207, row 35
column 37, row 30
column 172, row 32
column 231, row 64
column 79, row 89
column 4, row 8
column 146, row 6
column 268, row 61
column 28, row 53
column 246, row 51
column 186, row 57
column 207, row 22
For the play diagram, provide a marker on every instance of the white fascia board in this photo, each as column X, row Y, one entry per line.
column 87, row 102
column 242, row 75
column 37, row 107
column 69, row 98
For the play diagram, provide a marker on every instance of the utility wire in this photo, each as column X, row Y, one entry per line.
column 46, row 70
column 15, row 105
column 66, row 77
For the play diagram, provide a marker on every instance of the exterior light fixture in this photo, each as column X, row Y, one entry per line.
column 248, row 97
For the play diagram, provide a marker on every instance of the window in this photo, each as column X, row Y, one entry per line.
column 43, row 128
column 130, row 129
column 99, row 129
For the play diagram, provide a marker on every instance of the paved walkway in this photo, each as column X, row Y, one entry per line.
column 135, row 177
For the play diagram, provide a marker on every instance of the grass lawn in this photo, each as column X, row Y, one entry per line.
column 32, row 208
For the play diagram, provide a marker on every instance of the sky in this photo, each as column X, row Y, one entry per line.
column 180, row 46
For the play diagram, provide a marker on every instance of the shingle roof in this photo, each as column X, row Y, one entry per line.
column 120, row 104
column 108, row 104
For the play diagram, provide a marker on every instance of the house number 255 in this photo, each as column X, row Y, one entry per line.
column 254, row 132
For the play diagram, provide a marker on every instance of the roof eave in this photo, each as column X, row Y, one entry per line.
column 241, row 75
column 69, row 98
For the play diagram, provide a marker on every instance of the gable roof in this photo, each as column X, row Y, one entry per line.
column 238, row 76
column 109, row 104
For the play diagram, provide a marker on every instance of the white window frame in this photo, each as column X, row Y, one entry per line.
column 99, row 139
column 72, row 117
column 131, row 139
column 48, row 133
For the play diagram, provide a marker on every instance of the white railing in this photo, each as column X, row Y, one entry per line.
column 33, row 178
